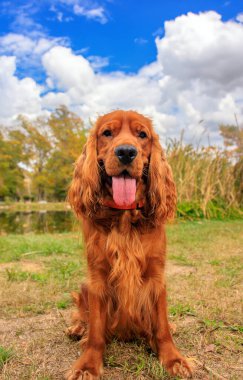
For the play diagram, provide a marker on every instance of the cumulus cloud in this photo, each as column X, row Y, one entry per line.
column 68, row 71
column 195, row 83
column 18, row 96
column 201, row 46
column 202, row 61
column 92, row 93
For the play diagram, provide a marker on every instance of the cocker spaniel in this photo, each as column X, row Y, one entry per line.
column 123, row 191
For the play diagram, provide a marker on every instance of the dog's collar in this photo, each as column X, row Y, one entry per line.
column 134, row 206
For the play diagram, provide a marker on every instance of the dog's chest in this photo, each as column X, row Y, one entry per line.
column 127, row 262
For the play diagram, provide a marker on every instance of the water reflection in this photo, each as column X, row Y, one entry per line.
column 22, row 222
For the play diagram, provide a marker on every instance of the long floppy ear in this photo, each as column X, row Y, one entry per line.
column 162, row 191
column 84, row 189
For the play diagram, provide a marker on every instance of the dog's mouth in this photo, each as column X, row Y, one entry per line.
column 123, row 186
column 124, row 189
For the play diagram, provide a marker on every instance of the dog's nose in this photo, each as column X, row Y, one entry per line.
column 126, row 153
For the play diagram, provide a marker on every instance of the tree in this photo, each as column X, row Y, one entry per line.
column 45, row 149
column 37, row 146
column 11, row 157
column 68, row 138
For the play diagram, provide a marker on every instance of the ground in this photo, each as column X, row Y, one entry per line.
column 37, row 273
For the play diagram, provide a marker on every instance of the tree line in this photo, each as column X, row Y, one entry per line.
column 37, row 157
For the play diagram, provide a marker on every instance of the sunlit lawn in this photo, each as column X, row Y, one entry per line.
column 37, row 273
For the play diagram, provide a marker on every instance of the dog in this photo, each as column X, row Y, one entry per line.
column 123, row 192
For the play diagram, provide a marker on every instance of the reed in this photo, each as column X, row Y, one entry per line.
column 207, row 181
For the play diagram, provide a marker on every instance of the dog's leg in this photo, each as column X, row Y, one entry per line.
column 90, row 364
column 168, row 354
column 80, row 315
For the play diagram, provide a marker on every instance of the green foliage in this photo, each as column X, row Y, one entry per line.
column 11, row 174
column 205, row 181
column 69, row 136
column 179, row 310
column 36, row 163
column 63, row 304
column 36, row 160
column 5, row 355
column 20, row 276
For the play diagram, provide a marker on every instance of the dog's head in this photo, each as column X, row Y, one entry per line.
column 123, row 160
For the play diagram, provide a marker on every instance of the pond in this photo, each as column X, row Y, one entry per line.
column 21, row 222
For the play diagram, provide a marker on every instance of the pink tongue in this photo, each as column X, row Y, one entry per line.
column 124, row 190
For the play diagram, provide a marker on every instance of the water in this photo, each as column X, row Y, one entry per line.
column 21, row 222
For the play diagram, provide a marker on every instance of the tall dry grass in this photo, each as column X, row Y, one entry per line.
column 206, row 181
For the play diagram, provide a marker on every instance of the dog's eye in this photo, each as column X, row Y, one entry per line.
column 107, row 133
column 142, row 135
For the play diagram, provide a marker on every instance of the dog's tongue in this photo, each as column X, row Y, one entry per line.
column 124, row 190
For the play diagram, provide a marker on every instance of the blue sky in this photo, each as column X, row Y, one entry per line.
column 179, row 61
column 124, row 32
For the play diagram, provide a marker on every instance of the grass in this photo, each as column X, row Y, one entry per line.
column 17, row 247
column 37, row 273
column 207, row 180
column 5, row 355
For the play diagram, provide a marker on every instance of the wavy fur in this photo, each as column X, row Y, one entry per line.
column 125, row 292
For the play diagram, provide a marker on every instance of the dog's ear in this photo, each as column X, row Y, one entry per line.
column 162, row 191
column 85, row 187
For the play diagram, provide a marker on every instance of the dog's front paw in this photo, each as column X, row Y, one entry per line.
column 174, row 363
column 88, row 367
column 179, row 367
column 74, row 374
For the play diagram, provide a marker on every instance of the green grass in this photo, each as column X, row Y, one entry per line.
column 38, row 272
column 131, row 359
column 16, row 247
column 5, row 355
column 215, row 210
column 178, row 310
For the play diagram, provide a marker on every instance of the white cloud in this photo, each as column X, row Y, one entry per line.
column 23, row 18
column 94, row 13
column 92, row 93
column 239, row 17
column 20, row 44
column 202, row 47
column 195, row 83
column 202, row 60
column 68, row 71
column 98, row 62
column 90, row 9
column 18, row 96
column 16, row 44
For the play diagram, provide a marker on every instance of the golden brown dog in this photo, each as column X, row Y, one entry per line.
column 124, row 192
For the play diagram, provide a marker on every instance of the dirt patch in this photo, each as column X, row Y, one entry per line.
column 172, row 269
column 24, row 265
column 43, row 351
column 40, row 346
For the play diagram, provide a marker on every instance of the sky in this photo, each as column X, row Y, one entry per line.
column 178, row 62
